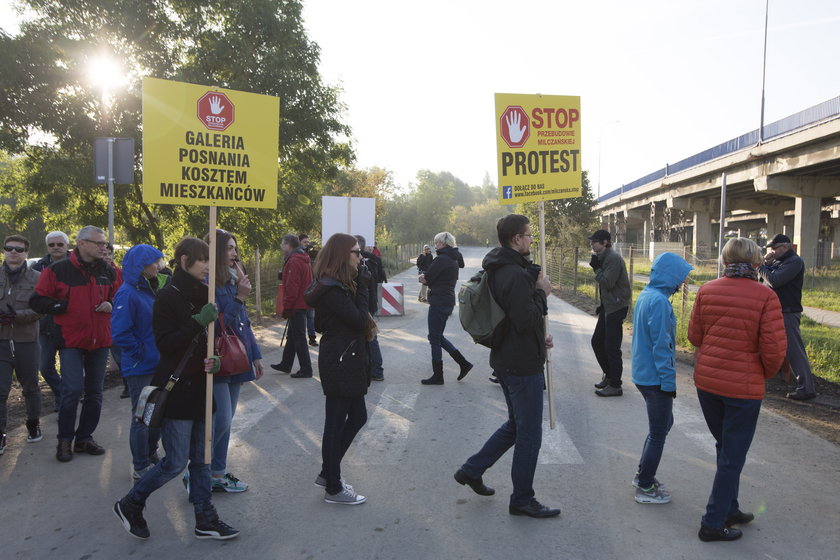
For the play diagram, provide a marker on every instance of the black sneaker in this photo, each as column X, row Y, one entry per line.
column 63, row 451
column 603, row 383
column 34, row 429
column 301, row 375
column 216, row 529
column 313, row 342
column 131, row 516
column 723, row 534
column 90, row 447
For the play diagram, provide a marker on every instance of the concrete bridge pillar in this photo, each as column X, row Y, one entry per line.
column 775, row 224
column 702, row 238
column 806, row 227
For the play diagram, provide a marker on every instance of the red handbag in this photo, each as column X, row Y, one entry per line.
column 230, row 349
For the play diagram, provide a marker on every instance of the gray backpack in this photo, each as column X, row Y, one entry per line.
column 480, row 315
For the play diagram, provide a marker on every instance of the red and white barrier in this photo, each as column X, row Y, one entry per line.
column 391, row 299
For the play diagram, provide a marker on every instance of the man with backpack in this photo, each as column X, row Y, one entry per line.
column 517, row 356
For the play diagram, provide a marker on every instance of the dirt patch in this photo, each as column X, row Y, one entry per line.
column 820, row 416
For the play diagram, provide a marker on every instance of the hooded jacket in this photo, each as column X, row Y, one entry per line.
column 613, row 282
column 297, row 275
column 738, row 330
column 520, row 350
column 131, row 320
column 655, row 325
column 424, row 261
column 236, row 319
column 442, row 275
column 15, row 294
column 70, row 291
column 342, row 318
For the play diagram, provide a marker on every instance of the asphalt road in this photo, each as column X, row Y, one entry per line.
column 403, row 461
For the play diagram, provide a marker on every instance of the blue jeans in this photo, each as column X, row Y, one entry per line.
column 376, row 369
column 296, row 344
column 184, row 444
column 343, row 418
column 226, row 396
column 47, row 366
column 142, row 440
column 660, row 412
column 732, row 423
column 522, row 431
column 310, row 322
column 82, row 379
column 437, row 317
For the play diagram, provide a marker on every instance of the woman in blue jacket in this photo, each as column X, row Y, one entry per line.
column 131, row 331
column 232, row 289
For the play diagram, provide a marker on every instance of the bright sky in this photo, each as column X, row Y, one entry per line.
column 659, row 80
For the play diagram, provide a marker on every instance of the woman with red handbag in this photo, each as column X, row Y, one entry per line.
column 232, row 289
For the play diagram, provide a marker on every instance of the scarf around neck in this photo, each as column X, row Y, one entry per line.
column 740, row 270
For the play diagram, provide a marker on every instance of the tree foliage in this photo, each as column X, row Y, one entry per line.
column 567, row 221
column 50, row 111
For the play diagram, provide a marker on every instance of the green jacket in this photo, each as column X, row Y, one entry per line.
column 613, row 283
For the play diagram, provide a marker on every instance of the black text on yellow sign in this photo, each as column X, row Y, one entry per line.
column 538, row 142
column 209, row 146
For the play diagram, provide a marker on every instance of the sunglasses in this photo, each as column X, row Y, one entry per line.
column 55, row 244
column 9, row 249
column 356, row 252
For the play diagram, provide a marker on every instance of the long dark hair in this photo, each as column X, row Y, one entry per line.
column 334, row 260
column 222, row 270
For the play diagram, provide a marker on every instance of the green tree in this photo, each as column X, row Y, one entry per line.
column 259, row 46
column 567, row 220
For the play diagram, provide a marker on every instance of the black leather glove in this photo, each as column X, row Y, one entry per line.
column 594, row 262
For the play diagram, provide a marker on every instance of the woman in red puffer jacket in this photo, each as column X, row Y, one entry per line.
column 739, row 332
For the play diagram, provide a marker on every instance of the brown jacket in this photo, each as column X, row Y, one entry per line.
column 24, row 328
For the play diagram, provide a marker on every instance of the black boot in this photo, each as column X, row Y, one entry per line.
column 461, row 361
column 437, row 375
column 209, row 526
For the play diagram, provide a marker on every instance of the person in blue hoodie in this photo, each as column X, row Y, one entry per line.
column 654, row 367
column 131, row 330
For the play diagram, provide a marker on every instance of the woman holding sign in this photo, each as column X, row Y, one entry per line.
column 180, row 316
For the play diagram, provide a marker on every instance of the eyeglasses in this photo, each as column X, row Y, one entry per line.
column 9, row 249
column 55, row 244
column 100, row 244
column 357, row 252
column 531, row 235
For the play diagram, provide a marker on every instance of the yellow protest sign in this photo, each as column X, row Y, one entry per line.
column 209, row 146
column 538, row 141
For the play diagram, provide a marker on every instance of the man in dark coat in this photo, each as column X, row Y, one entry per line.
column 783, row 270
column 297, row 276
column 517, row 358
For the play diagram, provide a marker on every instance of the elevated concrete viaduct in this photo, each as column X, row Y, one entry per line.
column 790, row 183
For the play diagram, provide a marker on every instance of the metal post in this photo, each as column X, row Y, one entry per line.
column 722, row 220
column 111, row 190
column 259, row 287
column 575, row 270
column 631, row 257
column 763, row 72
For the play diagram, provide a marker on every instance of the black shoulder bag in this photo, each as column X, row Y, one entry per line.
column 152, row 402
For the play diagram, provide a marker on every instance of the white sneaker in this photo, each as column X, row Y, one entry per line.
column 321, row 483
column 347, row 497
column 656, row 483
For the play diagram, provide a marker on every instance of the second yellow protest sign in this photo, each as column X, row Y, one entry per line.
column 209, row 146
column 538, row 142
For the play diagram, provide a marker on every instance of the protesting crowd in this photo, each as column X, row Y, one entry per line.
column 152, row 316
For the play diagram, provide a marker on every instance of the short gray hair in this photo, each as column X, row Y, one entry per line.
column 446, row 238
column 57, row 234
column 85, row 232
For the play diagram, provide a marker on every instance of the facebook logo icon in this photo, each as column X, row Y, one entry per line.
column 507, row 192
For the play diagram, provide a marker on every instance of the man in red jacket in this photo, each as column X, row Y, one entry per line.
column 78, row 292
column 297, row 275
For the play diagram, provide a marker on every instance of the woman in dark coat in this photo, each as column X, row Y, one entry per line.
column 340, row 298
column 441, row 277
column 180, row 316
